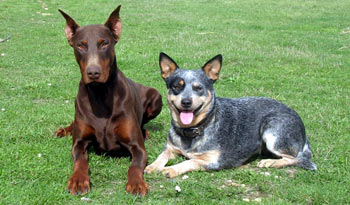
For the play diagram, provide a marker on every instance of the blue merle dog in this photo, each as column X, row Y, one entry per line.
column 217, row 133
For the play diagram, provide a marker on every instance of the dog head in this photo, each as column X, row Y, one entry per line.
column 190, row 92
column 94, row 46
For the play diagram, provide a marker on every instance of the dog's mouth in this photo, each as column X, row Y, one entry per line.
column 95, row 82
column 187, row 115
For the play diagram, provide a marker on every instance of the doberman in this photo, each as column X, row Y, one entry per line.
column 110, row 109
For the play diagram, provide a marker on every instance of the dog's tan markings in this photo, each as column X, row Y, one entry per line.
column 167, row 67
column 184, row 167
column 208, row 157
column 212, row 68
column 82, row 45
column 93, row 60
column 170, row 152
column 286, row 161
column 195, row 86
column 83, row 65
column 212, row 72
column 206, row 100
column 197, row 161
column 172, row 99
column 181, row 83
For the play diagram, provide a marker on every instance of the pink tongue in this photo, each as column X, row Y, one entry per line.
column 186, row 117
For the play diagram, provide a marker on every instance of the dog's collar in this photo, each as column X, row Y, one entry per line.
column 194, row 131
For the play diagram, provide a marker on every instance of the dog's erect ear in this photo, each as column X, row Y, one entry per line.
column 114, row 23
column 212, row 67
column 71, row 27
column 167, row 65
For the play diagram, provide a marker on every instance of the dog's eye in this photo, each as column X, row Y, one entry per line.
column 104, row 44
column 197, row 88
column 176, row 87
column 81, row 47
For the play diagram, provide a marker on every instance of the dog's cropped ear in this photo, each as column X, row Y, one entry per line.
column 71, row 27
column 212, row 67
column 114, row 23
column 167, row 65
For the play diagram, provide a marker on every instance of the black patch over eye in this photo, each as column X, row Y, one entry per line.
column 177, row 86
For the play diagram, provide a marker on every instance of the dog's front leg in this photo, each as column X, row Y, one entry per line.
column 131, row 137
column 161, row 160
column 183, row 167
column 79, row 182
column 197, row 161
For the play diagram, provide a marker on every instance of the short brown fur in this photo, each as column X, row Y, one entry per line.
column 110, row 109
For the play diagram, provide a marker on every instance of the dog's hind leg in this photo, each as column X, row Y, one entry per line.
column 285, row 137
column 152, row 106
column 62, row 132
column 285, row 161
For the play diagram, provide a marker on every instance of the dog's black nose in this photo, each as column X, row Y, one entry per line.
column 186, row 102
column 93, row 72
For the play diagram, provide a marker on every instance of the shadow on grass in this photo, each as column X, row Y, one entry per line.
column 154, row 126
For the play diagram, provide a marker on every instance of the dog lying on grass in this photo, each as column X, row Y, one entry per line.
column 219, row 133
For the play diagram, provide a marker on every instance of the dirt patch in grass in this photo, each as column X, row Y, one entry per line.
column 248, row 192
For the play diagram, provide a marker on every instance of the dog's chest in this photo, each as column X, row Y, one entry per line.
column 191, row 144
column 105, row 135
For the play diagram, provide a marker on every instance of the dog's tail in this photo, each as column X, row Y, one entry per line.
column 304, row 158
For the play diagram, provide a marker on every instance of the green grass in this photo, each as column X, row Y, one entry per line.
column 297, row 52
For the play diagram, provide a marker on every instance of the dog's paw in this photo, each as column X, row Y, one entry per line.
column 154, row 167
column 169, row 172
column 60, row 132
column 146, row 134
column 137, row 187
column 78, row 184
column 150, row 169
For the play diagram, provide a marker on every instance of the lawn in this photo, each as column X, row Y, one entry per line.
column 297, row 52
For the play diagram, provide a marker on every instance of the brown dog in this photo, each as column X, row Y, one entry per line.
column 110, row 109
